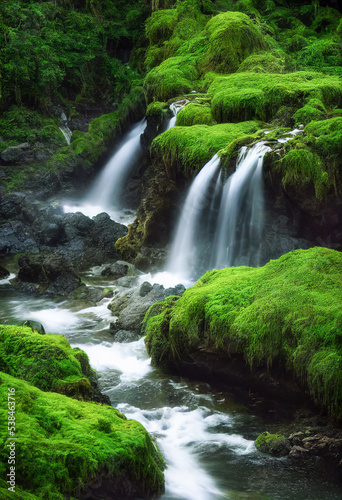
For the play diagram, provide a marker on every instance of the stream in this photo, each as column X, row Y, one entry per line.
column 206, row 438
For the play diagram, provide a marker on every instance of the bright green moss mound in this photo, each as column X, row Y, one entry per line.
column 189, row 148
column 173, row 77
column 287, row 313
column 328, row 138
column 232, row 37
column 246, row 96
column 65, row 445
column 195, row 114
column 45, row 361
column 264, row 62
column 160, row 25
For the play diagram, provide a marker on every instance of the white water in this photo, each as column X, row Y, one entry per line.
column 107, row 187
column 240, row 220
column 183, row 249
column 65, row 129
column 175, row 108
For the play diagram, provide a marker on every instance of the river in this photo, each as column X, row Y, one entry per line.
column 207, row 438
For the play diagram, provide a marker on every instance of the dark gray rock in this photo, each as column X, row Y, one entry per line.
column 125, row 336
column 3, row 273
column 35, row 326
column 130, row 306
column 145, row 288
column 15, row 154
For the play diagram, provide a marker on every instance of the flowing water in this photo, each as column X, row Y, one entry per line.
column 175, row 107
column 205, row 437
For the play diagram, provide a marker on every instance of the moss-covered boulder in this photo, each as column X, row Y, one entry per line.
column 47, row 362
column 72, row 449
column 285, row 316
column 233, row 36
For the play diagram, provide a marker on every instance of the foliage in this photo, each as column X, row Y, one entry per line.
column 67, row 445
column 195, row 114
column 286, row 314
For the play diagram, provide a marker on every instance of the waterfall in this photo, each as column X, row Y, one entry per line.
column 240, row 220
column 65, row 129
column 182, row 256
column 175, row 108
column 108, row 186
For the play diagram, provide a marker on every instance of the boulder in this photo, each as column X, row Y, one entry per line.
column 15, row 154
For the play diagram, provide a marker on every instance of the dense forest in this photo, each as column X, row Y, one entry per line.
column 244, row 71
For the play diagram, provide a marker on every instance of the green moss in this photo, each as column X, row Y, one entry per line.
column 266, row 439
column 232, row 37
column 188, row 148
column 65, row 446
column 160, row 25
column 173, row 77
column 245, row 96
column 312, row 110
column 45, row 361
column 300, row 167
column 287, row 314
column 195, row 114
column 265, row 62
column 328, row 138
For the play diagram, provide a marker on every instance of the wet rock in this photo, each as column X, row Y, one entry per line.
column 35, row 326
column 52, row 273
column 298, row 453
column 124, row 336
column 3, row 273
column 130, row 306
column 119, row 269
column 145, row 288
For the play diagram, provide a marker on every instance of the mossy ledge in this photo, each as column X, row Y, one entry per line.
column 48, row 362
column 285, row 317
column 72, row 449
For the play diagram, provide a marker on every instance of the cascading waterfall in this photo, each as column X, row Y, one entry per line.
column 175, row 108
column 240, row 220
column 107, row 188
column 182, row 253
column 65, row 129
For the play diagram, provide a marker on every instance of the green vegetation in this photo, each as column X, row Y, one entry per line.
column 195, row 114
column 46, row 361
column 248, row 96
column 286, row 314
column 187, row 149
column 66, row 446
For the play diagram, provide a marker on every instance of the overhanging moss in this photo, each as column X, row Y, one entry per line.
column 66, row 446
column 286, row 314
column 189, row 148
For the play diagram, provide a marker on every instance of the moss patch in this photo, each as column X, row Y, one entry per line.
column 45, row 361
column 245, row 96
column 286, row 314
column 188, row 148
column 195, row 114
column 65, row 446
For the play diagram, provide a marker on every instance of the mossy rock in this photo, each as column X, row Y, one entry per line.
column 195, row 114
column 187, row 149
column 67, row 448
column 160, row 25
column 274, row 444
column 265, row 62
column 232, row 37
column 314, row 109
column 246, row 96
column 286, row 314
column 175, row 76
column 46, row 361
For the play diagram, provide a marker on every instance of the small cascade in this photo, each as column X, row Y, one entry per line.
column 240, row 220
column 107, row 188
column 182, row 256
column 65, row 129
column 175, row 108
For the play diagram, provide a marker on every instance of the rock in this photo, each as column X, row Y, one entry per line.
column 3, row 273
column 35, row 326
column 298, row 453
column 131, row 306
column 14, row 154
column 124, row 336
column 53, row 273
column 116, row 270
column 145, row 288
